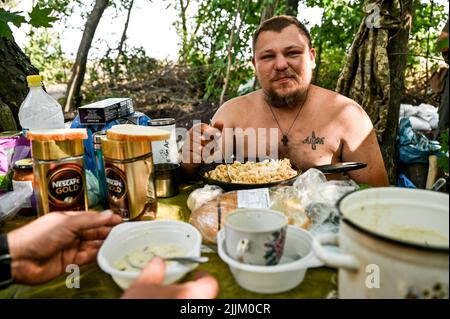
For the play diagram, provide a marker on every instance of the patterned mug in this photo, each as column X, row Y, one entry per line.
column 255, row 236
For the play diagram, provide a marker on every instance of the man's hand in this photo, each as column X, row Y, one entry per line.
column 193, row 151
column 149, row 285
column 41, row 250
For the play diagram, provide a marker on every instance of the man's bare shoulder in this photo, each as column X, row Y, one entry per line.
column 237, row 107
column 242, row 102
column 338, row 104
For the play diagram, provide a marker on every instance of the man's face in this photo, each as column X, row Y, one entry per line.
column 283, row 62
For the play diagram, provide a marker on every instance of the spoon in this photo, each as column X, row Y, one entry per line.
column 183, row 260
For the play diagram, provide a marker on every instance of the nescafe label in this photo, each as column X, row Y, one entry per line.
column 65, row 187
column 117, row 190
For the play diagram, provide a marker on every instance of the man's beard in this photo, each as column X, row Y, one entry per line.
column 291, row 100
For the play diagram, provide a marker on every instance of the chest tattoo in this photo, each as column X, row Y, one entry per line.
column 313, row 140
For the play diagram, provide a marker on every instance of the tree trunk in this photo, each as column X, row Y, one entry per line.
column 14, row 68
column 79, row 68
column 230, row 53
column 398, row 53
column 269, row 11
column 292, row 7
column 122, row 42
column 183, row 8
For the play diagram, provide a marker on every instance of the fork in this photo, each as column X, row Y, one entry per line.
column 223, row 157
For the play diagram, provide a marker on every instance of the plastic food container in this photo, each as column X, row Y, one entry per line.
column 288, row 274
column 129, row 236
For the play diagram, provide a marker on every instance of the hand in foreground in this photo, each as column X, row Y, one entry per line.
column 149, row 285
column 41, row 250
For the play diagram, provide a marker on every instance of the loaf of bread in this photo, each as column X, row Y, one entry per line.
column 209, row 218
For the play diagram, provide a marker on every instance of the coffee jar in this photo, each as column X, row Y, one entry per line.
column 129, row 170
column 129, row 174
column 58, row 166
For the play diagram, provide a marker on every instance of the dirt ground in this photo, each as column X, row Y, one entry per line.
column 183, row 114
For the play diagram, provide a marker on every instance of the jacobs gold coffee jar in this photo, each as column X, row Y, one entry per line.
column 129, row 170
column 58, row 165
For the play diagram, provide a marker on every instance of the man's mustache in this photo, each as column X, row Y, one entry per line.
column 283, row 75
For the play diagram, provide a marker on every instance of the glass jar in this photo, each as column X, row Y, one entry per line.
column 58, row 165
column 129, row 173
column 23, row 178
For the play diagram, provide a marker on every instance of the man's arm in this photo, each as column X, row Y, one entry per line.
column 359, row 144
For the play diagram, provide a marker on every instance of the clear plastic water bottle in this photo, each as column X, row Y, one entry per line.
column 39, row 110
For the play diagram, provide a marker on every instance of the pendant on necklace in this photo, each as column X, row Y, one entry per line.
column 285, row 140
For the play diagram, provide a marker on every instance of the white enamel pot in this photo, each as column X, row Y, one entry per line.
column 393, row 244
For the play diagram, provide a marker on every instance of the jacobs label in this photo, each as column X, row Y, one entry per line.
column 117, row 190
column 65, row 187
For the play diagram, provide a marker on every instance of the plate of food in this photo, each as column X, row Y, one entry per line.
column 249, row 174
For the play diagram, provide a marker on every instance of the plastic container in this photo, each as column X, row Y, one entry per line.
column 129, row 236
column 39, row 110
column 288, row 274
column 165, row 151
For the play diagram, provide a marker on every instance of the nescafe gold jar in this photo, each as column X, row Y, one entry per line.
column 58, row 165
column 129, row 170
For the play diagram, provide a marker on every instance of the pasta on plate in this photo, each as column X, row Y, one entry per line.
column 267, row 171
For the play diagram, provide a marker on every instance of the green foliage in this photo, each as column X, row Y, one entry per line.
column 207, row 50
column 45, row 53
column 443, row 156
column 427, row 17
column 135, row 66
column 40, row 16
column 341, row 19
column 9, row 17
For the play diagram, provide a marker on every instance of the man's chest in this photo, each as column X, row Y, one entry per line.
column 306, row 145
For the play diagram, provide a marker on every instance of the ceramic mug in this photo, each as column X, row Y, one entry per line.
column 255, row 236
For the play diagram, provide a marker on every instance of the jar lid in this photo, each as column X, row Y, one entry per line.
column 26, row 163
column 163, row 121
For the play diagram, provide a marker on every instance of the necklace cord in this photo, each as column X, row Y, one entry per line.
column 293, row 122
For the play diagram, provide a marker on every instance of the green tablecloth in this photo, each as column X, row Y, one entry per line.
column 94, row 283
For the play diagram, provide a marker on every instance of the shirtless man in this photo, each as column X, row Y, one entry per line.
column 315, row 126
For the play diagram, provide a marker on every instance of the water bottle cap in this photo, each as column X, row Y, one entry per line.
column 34, row 80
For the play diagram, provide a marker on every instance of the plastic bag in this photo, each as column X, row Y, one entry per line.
column 414, row 147
column 89, row 157
column 12, row 202
column 319, row 197
column 203, row 195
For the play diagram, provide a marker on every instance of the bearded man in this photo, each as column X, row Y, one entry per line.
column 313, row 126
